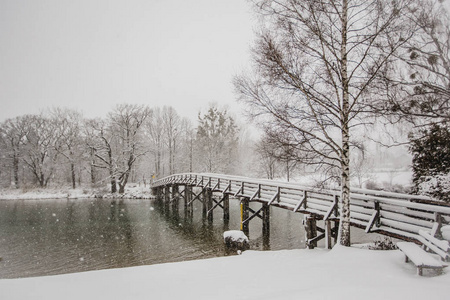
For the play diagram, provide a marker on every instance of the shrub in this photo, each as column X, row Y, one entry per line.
column 383, row 244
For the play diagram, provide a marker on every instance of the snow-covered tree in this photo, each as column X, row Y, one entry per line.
column 418, row 86
column 431, row 161
column 126, row 122
column 315, row 64
column 12, row 134
column 217, row 137
column 68, row 125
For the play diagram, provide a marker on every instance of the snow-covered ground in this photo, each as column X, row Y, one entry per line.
column 342, row 273
column 131, row 191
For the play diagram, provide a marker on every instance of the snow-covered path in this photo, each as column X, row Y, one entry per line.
column 342, row 273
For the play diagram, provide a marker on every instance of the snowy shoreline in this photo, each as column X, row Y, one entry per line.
column 342, row 273
column 131, row 192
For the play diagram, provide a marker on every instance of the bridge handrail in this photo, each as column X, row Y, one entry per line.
column 396, row 214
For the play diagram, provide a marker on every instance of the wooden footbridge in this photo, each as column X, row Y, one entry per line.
column 398, row 215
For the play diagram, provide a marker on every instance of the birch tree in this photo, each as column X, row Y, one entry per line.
column 314, row 65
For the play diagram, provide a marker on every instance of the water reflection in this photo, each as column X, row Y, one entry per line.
column 44, row 237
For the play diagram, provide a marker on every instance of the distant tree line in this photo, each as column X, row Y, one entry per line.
column 132, row 143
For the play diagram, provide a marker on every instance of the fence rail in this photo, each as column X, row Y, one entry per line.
column 393, row 214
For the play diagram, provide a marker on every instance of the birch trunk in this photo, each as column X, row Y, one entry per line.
column 345, row 153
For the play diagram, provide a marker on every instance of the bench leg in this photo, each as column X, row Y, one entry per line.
column 406, row 259
column 419, row 271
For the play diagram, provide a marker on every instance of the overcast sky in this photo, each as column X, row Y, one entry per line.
column 93, row 54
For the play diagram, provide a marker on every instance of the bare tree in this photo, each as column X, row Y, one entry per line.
column 68, row 125
column 267, row 157
column 155, row 134
column 13, row 133
column 418, row 86
column 186, row 146
column 316, row 62
column 100, row 139
column 43, row 146
column 216, row 140
column 172, row 122
column 127, row 122
column 362, row 165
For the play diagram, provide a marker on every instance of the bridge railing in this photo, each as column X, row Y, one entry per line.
column 394, row 214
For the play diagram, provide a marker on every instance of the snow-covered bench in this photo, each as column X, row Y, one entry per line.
column 423, row 259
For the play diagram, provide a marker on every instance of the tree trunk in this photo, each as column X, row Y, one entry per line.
column 113, row 179
column 158, row 163
column 72, row 170
column 113, row 185
column 190, row 156
column 16, row 170
column 123, row 182
column 92, row 175
column 41, row 179
column 287, row 170
column 121, row 188
column 170, row 156
column 344, row 230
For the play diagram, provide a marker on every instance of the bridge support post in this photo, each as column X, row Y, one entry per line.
column 245, row 205
column 188, row 211
column 226, row 208
column 204, row 208
column 166, row 198
column 158, row 194
column 175, row 198
column 209, row 204
column 311, row 231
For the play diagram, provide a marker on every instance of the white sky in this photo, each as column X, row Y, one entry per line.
column 93, row 54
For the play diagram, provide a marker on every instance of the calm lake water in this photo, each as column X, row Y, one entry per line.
column 47, row 237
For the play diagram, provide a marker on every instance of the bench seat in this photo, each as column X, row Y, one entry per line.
column 419, row 257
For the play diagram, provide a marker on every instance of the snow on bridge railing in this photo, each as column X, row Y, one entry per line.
column 394, row 214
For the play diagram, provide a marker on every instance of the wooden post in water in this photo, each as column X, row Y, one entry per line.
column 175, row 198
column 204, row 208
column 166, row 198
column 157, row 193
column 244, row 215
column 187, row 199
column 209, row 204
column 311, row 231
column 226, row 208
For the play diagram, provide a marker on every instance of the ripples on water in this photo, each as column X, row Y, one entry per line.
column 46, row 237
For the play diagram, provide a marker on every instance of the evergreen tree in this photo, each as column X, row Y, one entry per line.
column 431, row 161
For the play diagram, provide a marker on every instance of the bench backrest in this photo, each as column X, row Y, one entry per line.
column 440, row 247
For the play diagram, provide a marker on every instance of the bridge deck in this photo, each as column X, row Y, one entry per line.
column 393, row 214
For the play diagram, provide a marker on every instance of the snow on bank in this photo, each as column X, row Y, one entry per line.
column 41, row 193
column 132, row 191
column 342, row 273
